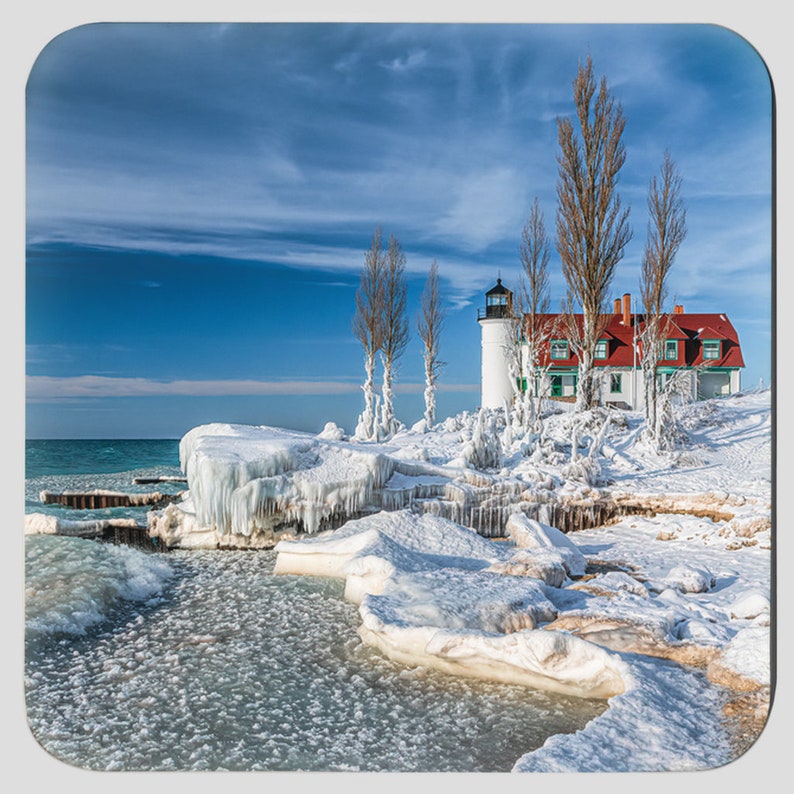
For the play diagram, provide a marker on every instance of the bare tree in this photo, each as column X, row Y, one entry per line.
column 666, row 231
column 368, row 329
column 514, row 354
column 536, row 328
column 429, row 324
column 592, row 225
column 395, row 330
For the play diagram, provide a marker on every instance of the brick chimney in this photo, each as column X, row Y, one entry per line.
column 678, row 310
column 627, row 309
column 617, row 305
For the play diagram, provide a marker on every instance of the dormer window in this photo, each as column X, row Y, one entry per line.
column 559, row 348
column 711, row 349
column 601, row 349
column 671, row 349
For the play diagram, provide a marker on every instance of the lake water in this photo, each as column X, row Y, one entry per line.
column 204, row 660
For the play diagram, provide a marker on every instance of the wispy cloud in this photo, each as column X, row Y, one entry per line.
column 405, row 62
column 47, row 389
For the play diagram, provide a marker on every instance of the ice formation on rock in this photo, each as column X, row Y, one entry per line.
column 248, row 485
column 46, row 524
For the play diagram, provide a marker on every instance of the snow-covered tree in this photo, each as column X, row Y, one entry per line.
column 592, row 225
column 429, row 324
column 666, row 231
column 484, row 450
column 536, row 330
column 368, row 329
column 395, row 331
column 677, row 389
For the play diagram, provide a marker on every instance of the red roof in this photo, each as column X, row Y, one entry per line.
column 691, row 328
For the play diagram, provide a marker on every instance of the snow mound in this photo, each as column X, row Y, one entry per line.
column 401, row 540
column 690, row 579
column 535, row 658
column 430, row 593
column 527, row 533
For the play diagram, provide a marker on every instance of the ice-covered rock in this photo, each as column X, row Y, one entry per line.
column 543, row 564
column 332, row 432
column 690, row 578
column 754, row 605
column 539, row 659
column 744, row 662
column 527, row 533
column 246, row 483
column 394, row 539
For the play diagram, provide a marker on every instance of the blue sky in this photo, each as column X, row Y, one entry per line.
column 200, row 198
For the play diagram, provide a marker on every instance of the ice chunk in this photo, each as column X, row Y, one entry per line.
column 527, row 533
column 690, row 579
column 750, row 606
column 250, row 481
column 539, row 659
column 441, row 542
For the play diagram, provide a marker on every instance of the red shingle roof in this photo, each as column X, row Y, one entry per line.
column 691, row 328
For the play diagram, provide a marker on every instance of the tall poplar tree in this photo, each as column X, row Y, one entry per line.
column 368, row 329
column 666, row 231
column 592, row 225
column 429, row 323
column 395, row 333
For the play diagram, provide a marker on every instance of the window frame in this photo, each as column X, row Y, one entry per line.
column 602, row 345
column 714, row 345
column 670, row 344
column 552, row 343
column 615, row 377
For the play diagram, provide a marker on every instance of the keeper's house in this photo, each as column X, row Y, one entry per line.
column 704, row 345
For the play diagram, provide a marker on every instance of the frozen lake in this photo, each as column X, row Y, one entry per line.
column 231, row 667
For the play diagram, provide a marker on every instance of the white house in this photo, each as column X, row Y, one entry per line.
column 705, row 345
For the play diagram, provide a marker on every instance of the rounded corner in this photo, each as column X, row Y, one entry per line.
column 746, row 41
column 47, row 49
column 48, row 751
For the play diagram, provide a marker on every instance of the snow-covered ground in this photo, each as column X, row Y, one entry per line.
column 448, row 542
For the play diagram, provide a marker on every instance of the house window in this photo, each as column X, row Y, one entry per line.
column 556, row 385
column 601, row 349
column 711, row 348
column 559, row 348
column 616, row 383
column 671, row 350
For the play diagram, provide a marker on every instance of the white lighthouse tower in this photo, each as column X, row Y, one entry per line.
column 497, row 327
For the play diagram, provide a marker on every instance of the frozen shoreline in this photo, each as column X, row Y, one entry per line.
column 664, row 614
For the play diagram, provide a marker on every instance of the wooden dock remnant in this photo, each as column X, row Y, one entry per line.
column 99, row 499
column 152, row 480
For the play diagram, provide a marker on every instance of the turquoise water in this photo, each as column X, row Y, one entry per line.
column 205, row 660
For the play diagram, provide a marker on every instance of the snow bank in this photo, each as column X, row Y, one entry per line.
column 666, row 721
column 428, row 594
column 645, row 610
column 394, row 538
column 539, row 659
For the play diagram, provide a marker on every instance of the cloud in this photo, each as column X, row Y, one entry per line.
column 43, row 388
column 487, row 208
column 405, row 62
